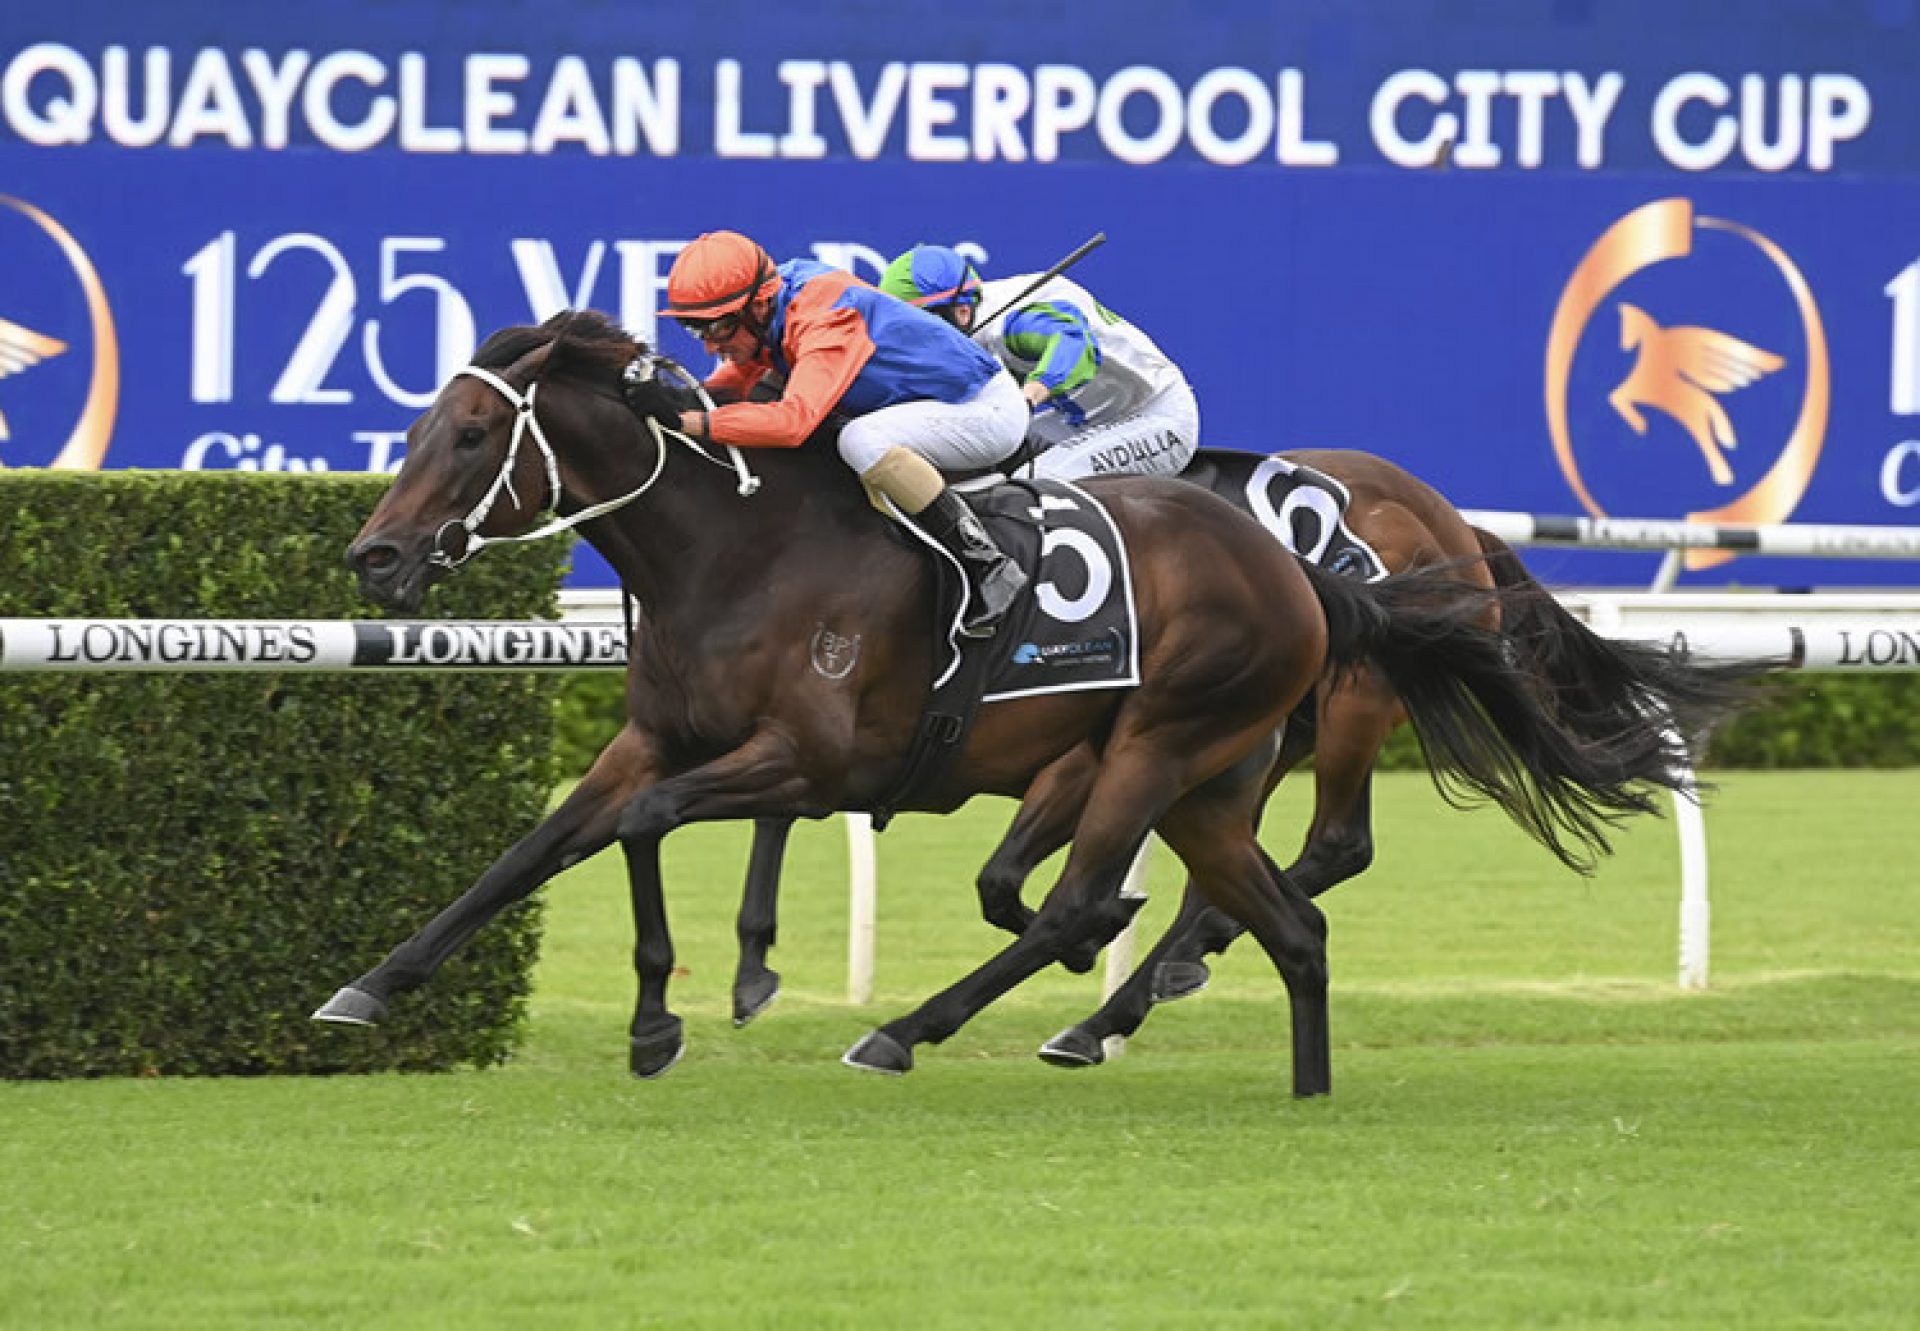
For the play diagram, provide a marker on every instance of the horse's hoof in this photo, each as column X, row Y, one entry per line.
column 351, row 1007
column 879, row 1052
column 755, row 996
column 650, row 1055
column 1179, row 979
column 1073, row 1048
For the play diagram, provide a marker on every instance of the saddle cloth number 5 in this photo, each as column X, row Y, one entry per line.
column 1060, row 543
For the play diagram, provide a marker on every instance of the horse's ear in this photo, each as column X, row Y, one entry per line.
column 531, row 367
column 559, row 347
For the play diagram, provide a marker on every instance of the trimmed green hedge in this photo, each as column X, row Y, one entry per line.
column 593, row 707
column 1815, row 720
column 189, row 864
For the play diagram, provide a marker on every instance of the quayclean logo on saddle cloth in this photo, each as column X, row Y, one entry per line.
column 1081, row 631
column 1305, row 510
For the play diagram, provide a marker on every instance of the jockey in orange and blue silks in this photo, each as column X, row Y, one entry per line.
column 1106, row 399
column 921, row 397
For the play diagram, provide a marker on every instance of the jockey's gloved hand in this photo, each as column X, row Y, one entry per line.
column 647, row 395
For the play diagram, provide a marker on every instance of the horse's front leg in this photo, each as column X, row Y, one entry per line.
column 760, row 779
column 755, row 984
column 1048, row 812
column 582, row 825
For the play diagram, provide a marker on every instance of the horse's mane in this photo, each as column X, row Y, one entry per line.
column 589, row 343
column 592, row 347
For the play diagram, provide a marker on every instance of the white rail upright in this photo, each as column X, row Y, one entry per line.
column 1120, row 952
column 863, row 908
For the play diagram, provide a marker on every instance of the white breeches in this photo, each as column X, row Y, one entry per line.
column 955, row 437
column 1157, row 440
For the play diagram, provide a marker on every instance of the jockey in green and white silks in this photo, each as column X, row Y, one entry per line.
column 1106, row 400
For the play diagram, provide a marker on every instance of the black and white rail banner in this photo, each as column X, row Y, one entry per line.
column 317, row 645
column 1866, row 640
column 1797, row 539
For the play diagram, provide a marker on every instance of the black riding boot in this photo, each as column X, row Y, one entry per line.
column 993, row 578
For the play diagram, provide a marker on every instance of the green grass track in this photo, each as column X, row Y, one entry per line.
column 1530, row 1127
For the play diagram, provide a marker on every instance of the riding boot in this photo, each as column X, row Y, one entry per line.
column 994, row 580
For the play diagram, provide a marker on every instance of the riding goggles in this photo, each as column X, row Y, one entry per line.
column 712, row 330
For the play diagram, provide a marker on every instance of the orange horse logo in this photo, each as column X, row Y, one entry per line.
column 1678, row 372
column 1682, row 371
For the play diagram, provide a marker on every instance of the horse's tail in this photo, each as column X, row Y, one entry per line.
column 1489, row 723
column 1597, row 684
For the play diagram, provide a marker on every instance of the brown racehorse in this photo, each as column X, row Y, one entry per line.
column 1343, row 727
column 729, row 720
column 1409, row 525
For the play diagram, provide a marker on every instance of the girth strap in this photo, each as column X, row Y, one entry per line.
column 954, row 701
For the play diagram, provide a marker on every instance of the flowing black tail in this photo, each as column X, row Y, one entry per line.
column 1490, row 712
column 1597, row 684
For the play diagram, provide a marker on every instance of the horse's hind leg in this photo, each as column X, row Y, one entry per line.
column 1128, row 795
column 1174, row 967
column 1350, row 724
column 1213, row 834
column 583, row 824
column 755, row 984
column 1127, row 1007
column 1354, row 721
column 1354, row 725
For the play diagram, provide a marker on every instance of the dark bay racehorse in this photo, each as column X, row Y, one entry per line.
column 728, row 719
column 1409, row 525
column 1594, row 683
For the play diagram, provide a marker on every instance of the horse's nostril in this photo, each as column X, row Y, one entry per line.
column 375, row 558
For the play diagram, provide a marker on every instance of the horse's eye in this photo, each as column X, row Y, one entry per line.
column 471, row 437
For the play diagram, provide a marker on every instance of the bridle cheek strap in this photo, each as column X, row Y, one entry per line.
column 525, row 424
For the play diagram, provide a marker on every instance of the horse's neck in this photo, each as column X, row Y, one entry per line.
column 693, row 544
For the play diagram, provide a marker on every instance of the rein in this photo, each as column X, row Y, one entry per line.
column 526, row 423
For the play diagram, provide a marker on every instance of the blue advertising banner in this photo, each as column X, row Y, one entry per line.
column 1631, row 259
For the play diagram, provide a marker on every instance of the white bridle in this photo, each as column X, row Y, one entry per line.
column 525, row 423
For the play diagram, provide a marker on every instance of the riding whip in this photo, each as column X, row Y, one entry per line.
column 1098, row 239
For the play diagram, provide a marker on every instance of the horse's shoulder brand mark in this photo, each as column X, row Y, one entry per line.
column 834, row 654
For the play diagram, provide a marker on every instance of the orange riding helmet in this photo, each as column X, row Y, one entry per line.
column 721, row 272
